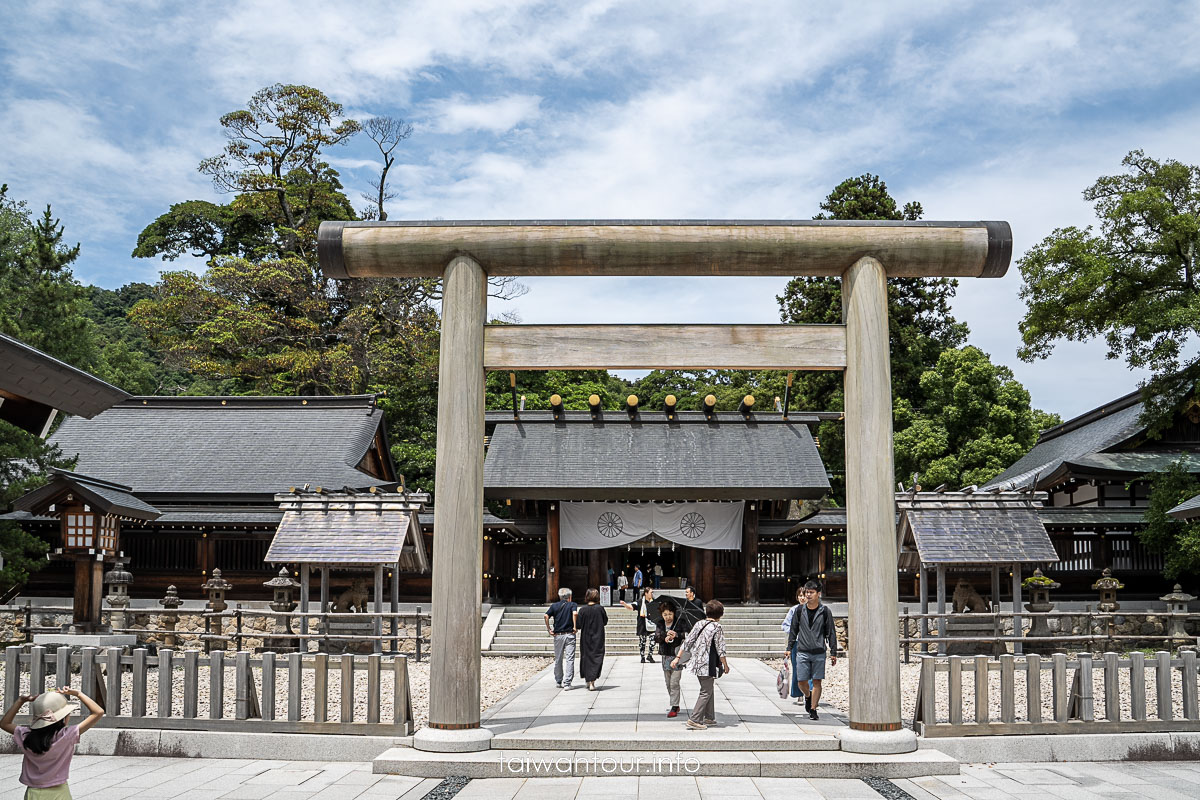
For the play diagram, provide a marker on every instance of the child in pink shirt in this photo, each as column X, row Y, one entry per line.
column 49, row 743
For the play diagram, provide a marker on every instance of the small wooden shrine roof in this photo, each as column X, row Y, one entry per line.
column 972, row 529
column 32, row 384
column 350, row 530
column 194, row 446
column 1187, row 510
column 102, row 496
column 612, row 456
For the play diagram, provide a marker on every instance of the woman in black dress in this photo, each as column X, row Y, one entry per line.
column 591, row 621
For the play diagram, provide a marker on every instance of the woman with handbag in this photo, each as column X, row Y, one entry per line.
column 705, row 650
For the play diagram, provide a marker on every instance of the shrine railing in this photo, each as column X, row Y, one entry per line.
column 385, row 632
column 1099, row 630
column 265, row 693
column 1057, row 694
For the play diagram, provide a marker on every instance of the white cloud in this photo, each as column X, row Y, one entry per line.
column 457, row 114
column 621, row 109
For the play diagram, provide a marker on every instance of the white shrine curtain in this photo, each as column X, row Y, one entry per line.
column 594, row 526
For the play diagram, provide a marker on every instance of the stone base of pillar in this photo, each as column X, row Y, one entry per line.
column 440, row 740
column 878, row 742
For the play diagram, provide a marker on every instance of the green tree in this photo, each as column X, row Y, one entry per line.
column 41, row 303
column 1177, row 540
column 1132, row 283
column 263, row 317
column 24, row 461
column 975, row 422
column 274, row 155
column 920, row 324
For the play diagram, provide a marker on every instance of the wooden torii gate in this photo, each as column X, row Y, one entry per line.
column 864, row 254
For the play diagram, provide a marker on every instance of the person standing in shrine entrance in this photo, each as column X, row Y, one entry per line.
column 647, row 624
column 812, row 627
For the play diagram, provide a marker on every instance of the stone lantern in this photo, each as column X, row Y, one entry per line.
column 170, row 603
column 216, row 587
column 1177, row 606
column 117, row 580
column 1107, row 586
column 1039, row 588
column 282, row 586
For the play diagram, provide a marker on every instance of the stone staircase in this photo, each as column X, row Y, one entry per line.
column 750, row 632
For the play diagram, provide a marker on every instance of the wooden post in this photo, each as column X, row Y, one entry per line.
column 488, row 544
column 295, row 685
column 454, row 689
column 166, row 683
column 923, row 581
column 750, row 553
column 941, row 608
column 37, row 669
column 377, row 623
column 552, row 552
column 395, row 627
column 1018, row 647
column 872, row 581
column 595, row 573
column 305, row 570
column 1137, row 685
column 216, row 684
column 1033, row 687
column 268, row 686
column 708, row 575
column 89, row 589
column 324, row 597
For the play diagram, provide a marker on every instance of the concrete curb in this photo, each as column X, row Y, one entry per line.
column 221, row 744
column 1069, row 747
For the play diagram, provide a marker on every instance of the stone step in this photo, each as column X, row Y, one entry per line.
column 733, row 763
column 540, row 625
column 522, row 651
column 715, row 739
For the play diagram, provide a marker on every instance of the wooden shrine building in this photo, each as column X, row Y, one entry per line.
column 211, row 467
column 706, row 495
column 952, row 533
column 1094, row 470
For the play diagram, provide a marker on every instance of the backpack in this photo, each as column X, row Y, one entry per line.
column 715, row 670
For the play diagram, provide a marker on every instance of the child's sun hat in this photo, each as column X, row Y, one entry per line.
column 49, row 708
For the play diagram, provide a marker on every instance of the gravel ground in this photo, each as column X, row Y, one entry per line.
column 499, row 677
column 835, row 690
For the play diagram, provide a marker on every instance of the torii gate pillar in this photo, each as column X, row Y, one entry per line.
column 454, row 665
column 872, row 583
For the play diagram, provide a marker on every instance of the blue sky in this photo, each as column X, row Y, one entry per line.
column 622, row 109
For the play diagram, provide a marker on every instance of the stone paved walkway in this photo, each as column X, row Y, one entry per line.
column 116, row 778
column 631, row 704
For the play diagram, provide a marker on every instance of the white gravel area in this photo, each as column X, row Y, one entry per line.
column 499, row 677
column 835, row 689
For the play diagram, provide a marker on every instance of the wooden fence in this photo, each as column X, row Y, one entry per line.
column 288, row 694
column 1101, row 630
column 1082, row 696
column 228, row 628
